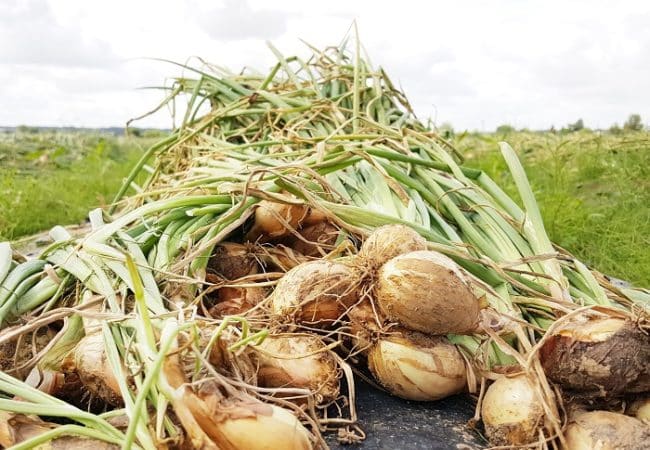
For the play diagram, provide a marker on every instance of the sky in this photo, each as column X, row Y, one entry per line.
column 473, row 64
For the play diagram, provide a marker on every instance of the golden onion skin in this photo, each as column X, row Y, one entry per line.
column 426, row 291
column 278, row 430
column 603, row 356
column 319, row 239
column 389, row 241
column 414, row 366
column 17, row 428
column 93, row 369
column 511, row 412
column 235, row 301
column 268, row 215
column 604, row 430
column 316, row 292
column 303, row 361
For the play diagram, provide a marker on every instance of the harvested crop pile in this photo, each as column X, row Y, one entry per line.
column 298, row 228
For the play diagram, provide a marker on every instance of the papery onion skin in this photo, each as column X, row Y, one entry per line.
column 303, row 361
column 92, row 366
column 426, row 291
column 278, row 430
column 16, row 428
column 252, row 425
column 511, row 412
column 316, row 292
column 603, row 356
column 231, row 261
column 317, row 240
column 314, row 216
column 235, row 301
column 640, row 408
column 268, row 214
column 389, row 241
column 414, row 366
column 364, row 322
column 604, row 430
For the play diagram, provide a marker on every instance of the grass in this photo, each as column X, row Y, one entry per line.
column 592, row 188
column 50, row 178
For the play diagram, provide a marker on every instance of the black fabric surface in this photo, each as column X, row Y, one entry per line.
column 393, row 423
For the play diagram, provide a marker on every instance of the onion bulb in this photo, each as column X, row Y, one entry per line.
column 270, row 219
column 231, row 261
column 426, row 291
column 605, row 356
column 640, row 408
column 511, row 412
column 93, row 369
column 315, row 292
column 604, row 430
column 414, row 366
column 314, row 216
column 16, row 428
column 234, row 301
column 317, row 239
column 233, row 424
column 389, row 241
column 269, row 428
column 298, row 361
column 364, row 322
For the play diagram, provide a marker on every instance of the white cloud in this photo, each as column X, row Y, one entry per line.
column 30, row 34
column 475, row 64
column 235, row 20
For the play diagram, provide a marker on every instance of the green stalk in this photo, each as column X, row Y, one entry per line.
column 6, row 260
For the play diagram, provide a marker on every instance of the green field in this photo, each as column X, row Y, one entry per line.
column 591, row 187
column 50, row 178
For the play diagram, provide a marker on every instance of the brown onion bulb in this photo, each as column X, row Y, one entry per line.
column 415, row 366
column 604, row 430
column 389, row 241
column 603, row 355
column 298, row 361
column 269, row 217
column 364, row 322
column 426, row 291
column 511, row 412
column 92, row 366
column 317, row 239
column 314, row 216
column 235, row 301
column 315, row 292
column 231, row 261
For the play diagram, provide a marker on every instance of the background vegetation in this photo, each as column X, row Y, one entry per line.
column 591, row 186
column 54, row 177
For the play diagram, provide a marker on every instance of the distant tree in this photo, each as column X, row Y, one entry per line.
column 577, row 126
column 552, row 129
column 615, row 129
column 505, row 129
column 26, row 129
column 633, row 123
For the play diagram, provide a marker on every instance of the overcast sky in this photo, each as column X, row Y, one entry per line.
column 475, row 64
